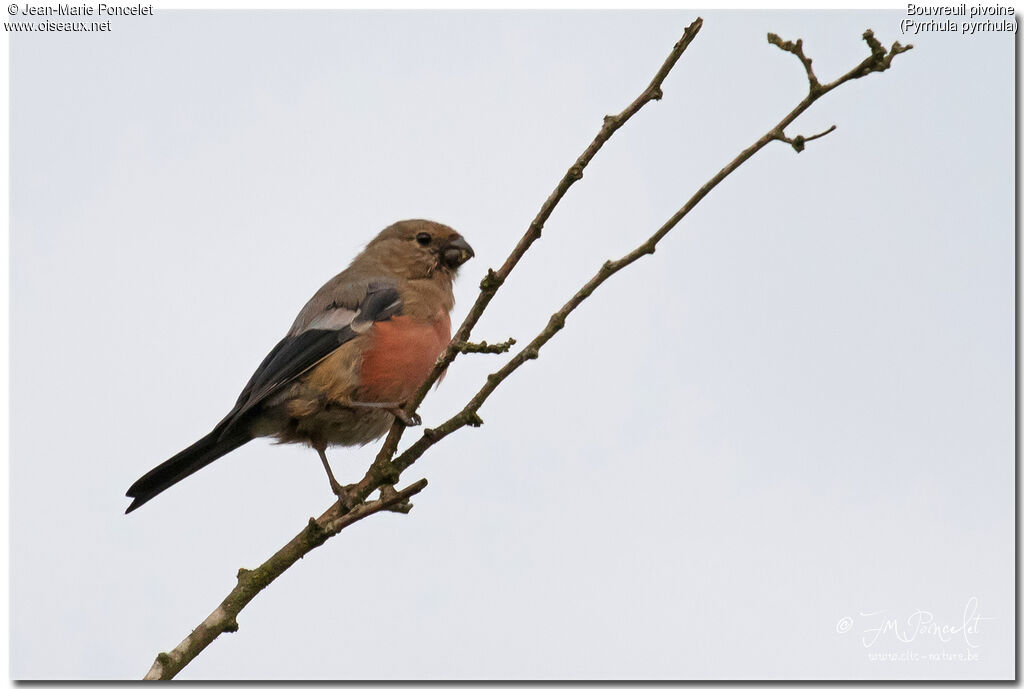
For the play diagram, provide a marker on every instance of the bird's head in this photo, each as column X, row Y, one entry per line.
column 418, row 249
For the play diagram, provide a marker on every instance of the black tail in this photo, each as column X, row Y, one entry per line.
column 185, row 463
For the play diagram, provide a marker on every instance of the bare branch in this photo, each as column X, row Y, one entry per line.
column 878, row 61
column 483, row 347
column 252, row 581
column 798, row 50
column 797, row 142
column 493, row 280
column 384, row 472
column 468, row 416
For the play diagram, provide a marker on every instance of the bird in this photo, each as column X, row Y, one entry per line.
column 359, row 348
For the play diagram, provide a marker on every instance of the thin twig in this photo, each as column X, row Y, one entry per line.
column 482, row 347
column 798, row 50
column 798, row 142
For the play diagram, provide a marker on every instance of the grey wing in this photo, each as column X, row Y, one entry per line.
column 344, row 292
column 298, row 353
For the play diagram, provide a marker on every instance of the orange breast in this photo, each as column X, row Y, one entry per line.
column 401, row 353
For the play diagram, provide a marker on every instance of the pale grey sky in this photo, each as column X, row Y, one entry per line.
column 799, row 410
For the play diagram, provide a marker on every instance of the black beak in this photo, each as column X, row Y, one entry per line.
column 456, row 252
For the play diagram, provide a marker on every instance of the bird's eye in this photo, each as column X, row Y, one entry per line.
column 423, row 238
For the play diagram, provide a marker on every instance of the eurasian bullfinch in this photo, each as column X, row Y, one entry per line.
column 357, row 350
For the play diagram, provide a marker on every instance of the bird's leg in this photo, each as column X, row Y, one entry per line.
column 393, row 407
column 336, row 487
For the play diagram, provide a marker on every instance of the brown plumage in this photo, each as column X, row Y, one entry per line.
column 359, row 348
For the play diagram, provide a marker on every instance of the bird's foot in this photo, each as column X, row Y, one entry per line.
column 346, row 500
column 408, row 419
